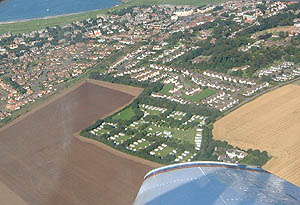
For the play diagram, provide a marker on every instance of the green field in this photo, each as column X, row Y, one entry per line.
column 166, row 89
column 177, row 117
column 126, row 114
column 183, row 135
column 297, row 82
column 200, row 96
column 143, row 145
column 188, row 82
column 167, row 150
column 103, row 131
column 185, row 159
column 37, row 24
column 122, row 139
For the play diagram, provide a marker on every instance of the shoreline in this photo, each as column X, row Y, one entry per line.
column 122, row 2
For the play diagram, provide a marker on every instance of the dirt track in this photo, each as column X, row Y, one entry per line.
column 272, row 123
column 43, row 163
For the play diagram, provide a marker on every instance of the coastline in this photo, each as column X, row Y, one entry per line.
column 122, row 2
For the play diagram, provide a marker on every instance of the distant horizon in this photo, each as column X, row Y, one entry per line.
column 18, row 10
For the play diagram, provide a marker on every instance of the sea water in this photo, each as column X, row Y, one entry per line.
column 13, row 10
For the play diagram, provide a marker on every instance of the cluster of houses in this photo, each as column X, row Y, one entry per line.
column 233, row 155
column 42, row 70
column 160, row 148
column 153, row 108
column 167, row 55
column 185, row 157
column 281, row 72
column 198, row 138
column 256, row 44
column 193, row 91
column 275, row 69
column 253, row 90
column 229, row 78
column 171, row 55
column 14, row 100
column 252, row 11
column 287, row 75
column 147, row 75
column 204, row 81
column 135, row 145
column 221, row 101
column 177, row 114
column 165, row 134
column 142, row 143
column 98, row 129
column 163, row 68
column 171, row 98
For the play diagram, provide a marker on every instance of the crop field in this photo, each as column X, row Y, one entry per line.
column 271, row 123
column 42, row 162
column 200, row 96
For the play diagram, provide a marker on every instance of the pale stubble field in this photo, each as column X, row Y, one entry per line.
column 272, row 123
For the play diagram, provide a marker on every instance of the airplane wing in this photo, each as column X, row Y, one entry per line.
column 215, row 183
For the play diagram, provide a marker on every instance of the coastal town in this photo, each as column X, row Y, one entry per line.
column 149, row 102
column 212, row 56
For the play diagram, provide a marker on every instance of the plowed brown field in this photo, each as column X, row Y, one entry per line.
column 43, row 163
column 271, row 123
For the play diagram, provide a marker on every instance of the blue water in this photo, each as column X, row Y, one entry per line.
column 12, row 10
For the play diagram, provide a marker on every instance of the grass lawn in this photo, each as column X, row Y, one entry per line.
column 190, row 83
column 126, row 114
column 185, row 159
column 154, row 112
column 143, row 145
column 103, row 131
column 167, row 150
column 122, row 139
column 198, row 120
column 183, row 135
column 200, row 96
column 297, row 82
column 37, row 24
column 178, row 117
column 166, row 89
